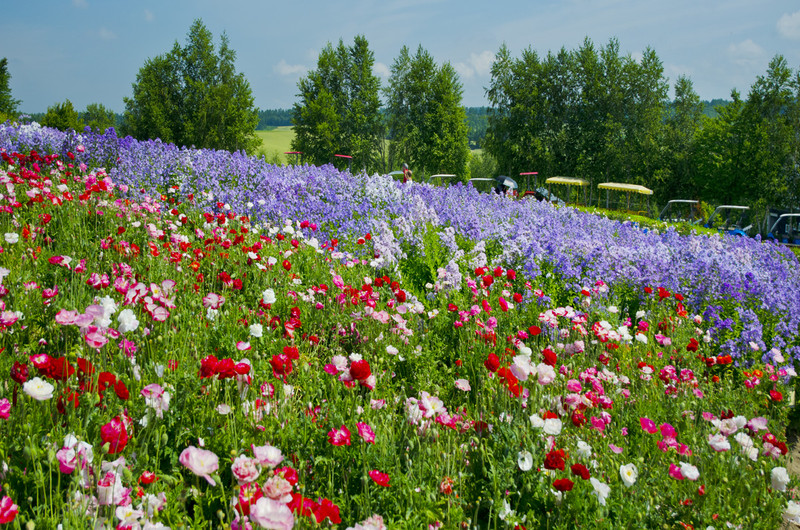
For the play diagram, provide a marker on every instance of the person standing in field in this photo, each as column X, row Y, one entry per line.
column 406, row 173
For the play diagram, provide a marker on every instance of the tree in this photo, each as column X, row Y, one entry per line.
column 8, row 105
column 681, row 125
column 532, row 123
column 192, row 95
column 62, row 116
column 339, row 107
column 98, row 117
column 590, row 113
column 427, row 123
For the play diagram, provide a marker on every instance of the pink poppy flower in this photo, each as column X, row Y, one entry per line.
column 648, row 425
column 366, row 432
column 598, row 424
column 269, row 513
column 5, row 408
column 200, row 462
column 267, row 455
column 67, row 460
column 463, row 384
column 213, row 301
column 340, row 436
column 503, row 304
column 8, row 510
column 115, row 434
column 155, row 397
column 245, row 469
column 65, row 317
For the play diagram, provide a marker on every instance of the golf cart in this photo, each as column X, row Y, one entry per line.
column 531, row 191
column 570, row 183
column 731, row 219
column 482, row 184
column 500, row 184
column 506, row 185
column 681, row 211
column 786, row 229
column 641, row 197
column 440, row 179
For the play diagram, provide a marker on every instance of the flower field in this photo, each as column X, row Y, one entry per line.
column 197, row 339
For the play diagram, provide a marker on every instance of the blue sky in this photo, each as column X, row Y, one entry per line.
column 89, row 51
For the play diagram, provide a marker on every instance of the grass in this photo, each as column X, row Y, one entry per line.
column 275, row 142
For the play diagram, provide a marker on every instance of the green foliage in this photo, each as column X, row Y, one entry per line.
column 193, row 96
column 275, row 142
column 62, row 116
column 590, row 113
column 482, row 165
column 270, row 118
column 98, row 117
column 427, row 124
column 477, row 123
column 339, row 108
column 683, row 120
column 420, row 267
column 601, row 116
column 8, row 105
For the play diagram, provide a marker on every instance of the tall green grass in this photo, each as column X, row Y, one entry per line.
column 275, row 142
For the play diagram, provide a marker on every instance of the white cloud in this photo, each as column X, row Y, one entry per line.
column 478, row 64
column 482, row 62
column 464, row 71
column 106, row 34
column 82, row 4
column 148, row 15
column 746, row 53
column 789, row 25
column 381, row 70
column 284, row 68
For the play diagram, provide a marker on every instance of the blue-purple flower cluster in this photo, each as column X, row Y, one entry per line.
column 749, row 289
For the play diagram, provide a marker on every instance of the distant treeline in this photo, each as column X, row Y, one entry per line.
column 477, row 119
column 274, row 118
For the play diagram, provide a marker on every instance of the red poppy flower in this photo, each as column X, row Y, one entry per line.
column 563, row 484
column 554, row 460
column 359, row 370
column 381, row 479
column 148, row 477
column 302, row 505
column 492, row 363
column 550, row 357
column 281, row 365
column 121, row 390
column 325, row 508
column 114, row 434
column 580, row 470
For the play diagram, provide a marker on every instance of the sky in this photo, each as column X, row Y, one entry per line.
column 89, row 51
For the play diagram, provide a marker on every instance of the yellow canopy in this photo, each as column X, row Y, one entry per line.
column 625, row 187
column 569, row 181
